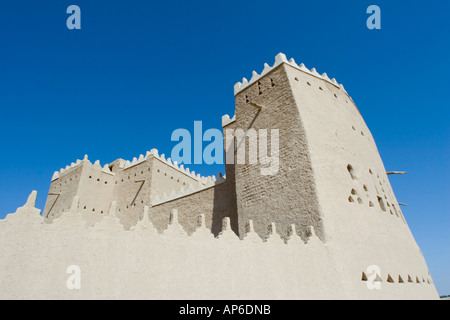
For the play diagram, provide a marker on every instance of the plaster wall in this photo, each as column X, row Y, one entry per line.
column 362, row 217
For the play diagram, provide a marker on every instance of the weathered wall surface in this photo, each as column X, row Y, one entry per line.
column 289, row 196
column 62, row 191
column 133, row 190
column 360, row 211
column 216, row 203
column 133, row 185
column 143, row 264
column 95, row 191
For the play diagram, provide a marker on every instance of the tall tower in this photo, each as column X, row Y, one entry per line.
column 289, row 196
column 330, row 177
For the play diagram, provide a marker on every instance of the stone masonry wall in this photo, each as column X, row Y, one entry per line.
column 289, row 196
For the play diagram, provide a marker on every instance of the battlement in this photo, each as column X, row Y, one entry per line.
column 77, row 164
column 226, row 120
column 155, row 154
column 126, row 164
column 72, row 219
column 280, row 59
column 148, row 263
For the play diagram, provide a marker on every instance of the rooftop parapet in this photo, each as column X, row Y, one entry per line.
column 155, row 153
column 128, row 164
column 280, row 59
column 226, row 120
column 111, row 223
column 76, row 164
column 62, row 171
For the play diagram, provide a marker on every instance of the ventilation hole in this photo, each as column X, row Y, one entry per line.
column 381, row 203
column 84, row 208
column 370, row 204
column 122, row 180
column 362, row 133
column 365, row 187
column 391, row 212
column 272, row 83
column 363, row 277
column 93, row 210
column 359, row 200
column 350, row 199
column 400, row 280
column 90, row 177
column 353, row 191
column 296, row 79
column 309, row 84
column 320, row 88
column 378, row 278
column 423, row 280
column 389, row 279
column 335, row 95
column 395, row 210
column 410, row 279
column 370, row 171
column 106, row 182
column 353, row 127
column 417, row 280
column 98, row 179
column 351, row 171
column 101, row 212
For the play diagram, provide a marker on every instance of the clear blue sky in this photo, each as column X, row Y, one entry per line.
column 140, row 69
